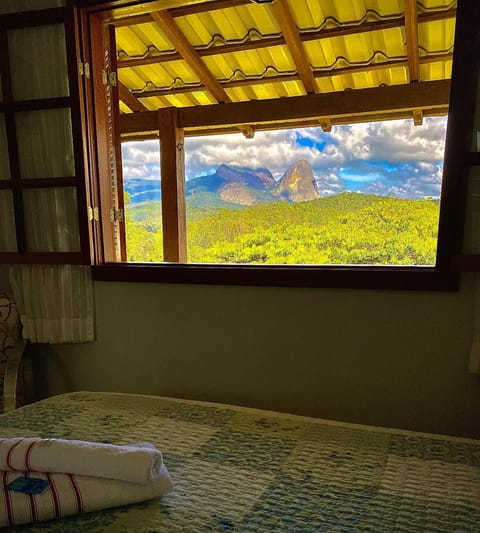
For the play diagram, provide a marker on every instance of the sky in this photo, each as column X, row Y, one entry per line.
column 391, row 158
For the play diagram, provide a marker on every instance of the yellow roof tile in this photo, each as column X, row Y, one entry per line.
column 245, row 26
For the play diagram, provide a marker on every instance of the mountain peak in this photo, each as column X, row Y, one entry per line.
column 256, row 178
column 248, row 186
column 297, row 184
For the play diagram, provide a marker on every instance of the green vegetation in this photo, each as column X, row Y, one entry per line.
column 348, row 228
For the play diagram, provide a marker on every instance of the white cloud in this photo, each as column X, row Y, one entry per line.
column 408, row 157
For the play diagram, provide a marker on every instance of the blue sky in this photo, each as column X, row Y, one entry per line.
column 393, row 158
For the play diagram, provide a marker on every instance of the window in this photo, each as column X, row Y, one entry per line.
column 360, row 194
column 173, row 75
column 42, row 182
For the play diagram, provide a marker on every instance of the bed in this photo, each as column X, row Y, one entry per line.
column 243, row 470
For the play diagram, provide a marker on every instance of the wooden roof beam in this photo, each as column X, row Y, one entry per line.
column 411, row 34
column 266, row 42
column 394, row 63
column 170, row 28
column 145, row 17
column 303, row 123
column 213, row 5
column 432, row 96
column 182, row 11
column 129, row 99
column 285, row 19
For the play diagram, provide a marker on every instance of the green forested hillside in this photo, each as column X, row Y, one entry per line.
column 348, row 228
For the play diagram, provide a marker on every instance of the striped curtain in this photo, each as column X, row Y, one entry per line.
column 55, row 302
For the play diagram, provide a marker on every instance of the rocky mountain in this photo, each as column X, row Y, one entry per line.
column 236, row 193
column 238, row 186
column 297, row 184
column 255, row 179
column 245, row 186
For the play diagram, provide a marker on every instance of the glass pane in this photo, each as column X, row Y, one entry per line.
column 8, row 238
column 51, row 220
column 32, row 78
column 4, row 162
column 471, row 242
column 143, row 206
column 11, row 6
column 45, row 143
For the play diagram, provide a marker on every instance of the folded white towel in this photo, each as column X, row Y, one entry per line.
column 68, row 494
column 135, row 464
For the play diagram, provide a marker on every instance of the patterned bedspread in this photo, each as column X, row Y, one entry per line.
column 242, row 470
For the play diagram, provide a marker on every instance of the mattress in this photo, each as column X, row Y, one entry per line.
column 244, row 470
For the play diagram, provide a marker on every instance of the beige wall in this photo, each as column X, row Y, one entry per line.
column 4, row 283
column 388, row 358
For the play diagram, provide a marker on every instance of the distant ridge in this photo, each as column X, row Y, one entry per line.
column 247, row 186
column 241, row 186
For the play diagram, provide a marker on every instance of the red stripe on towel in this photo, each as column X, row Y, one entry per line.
column 8, row 502
column 31, row 501
column 77, row 492
column 55, row 498
column 27, row 455
column 10, row 451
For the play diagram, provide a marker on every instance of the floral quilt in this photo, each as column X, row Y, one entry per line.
column 251, row 471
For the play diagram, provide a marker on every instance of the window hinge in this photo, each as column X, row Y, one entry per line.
column 93, row 214
column 84, row 69
column 116, row 215
column 109, row 78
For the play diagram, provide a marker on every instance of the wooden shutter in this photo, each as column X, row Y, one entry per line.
column 24, row 104
column 102, row 112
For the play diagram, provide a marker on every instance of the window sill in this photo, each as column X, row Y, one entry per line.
column 352, row 277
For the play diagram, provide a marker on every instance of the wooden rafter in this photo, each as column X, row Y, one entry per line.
column 142, row 7
column 438, row 111
column 285, row 19
column 170, row 28
column 432, row 97
column 130, row 99
column 214, row 5
column 143, row 17
column 181, row 11
column 411, row 34
column 394, row 63
column 267, row 42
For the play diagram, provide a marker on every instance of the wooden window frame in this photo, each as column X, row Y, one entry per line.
column 9, row 106
column 452, row 211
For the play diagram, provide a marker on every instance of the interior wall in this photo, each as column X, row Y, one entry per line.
column 4, row 283
column 397, row 359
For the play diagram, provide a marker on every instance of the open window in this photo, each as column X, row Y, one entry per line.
column 361, row 194
column 42, row 180
column 167, row 84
